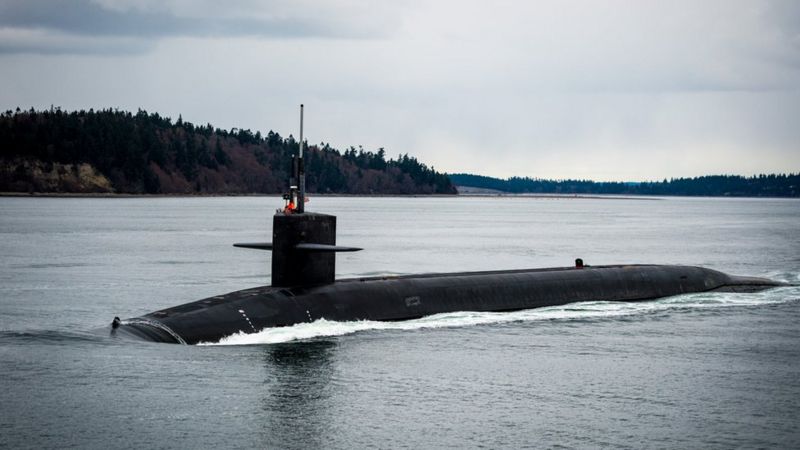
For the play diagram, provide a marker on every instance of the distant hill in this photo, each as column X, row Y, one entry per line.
column 142, row 153
column 781, row 185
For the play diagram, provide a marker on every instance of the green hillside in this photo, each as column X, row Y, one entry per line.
column 145, row 153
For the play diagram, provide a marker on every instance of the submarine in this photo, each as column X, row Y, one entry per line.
column 304, row 289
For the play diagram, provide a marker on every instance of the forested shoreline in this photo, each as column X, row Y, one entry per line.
column 112, row 151
column 118, row 152
column 772, row 185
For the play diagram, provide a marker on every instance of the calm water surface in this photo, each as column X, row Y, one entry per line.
column 697, row 371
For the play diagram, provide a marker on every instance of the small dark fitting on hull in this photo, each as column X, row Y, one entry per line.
column 304, row 288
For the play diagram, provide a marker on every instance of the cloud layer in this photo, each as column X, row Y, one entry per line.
column 625, row 90
column 109, row 26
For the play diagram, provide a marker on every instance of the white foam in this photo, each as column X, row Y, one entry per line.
column 573, row 311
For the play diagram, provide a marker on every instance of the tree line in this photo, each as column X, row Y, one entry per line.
column 772, row 185
column 148, row 153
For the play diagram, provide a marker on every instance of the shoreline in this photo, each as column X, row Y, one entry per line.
column 311, row 194
column 470, row 195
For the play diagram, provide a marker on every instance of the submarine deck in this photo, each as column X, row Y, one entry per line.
column 401, row 297
column 724, row 283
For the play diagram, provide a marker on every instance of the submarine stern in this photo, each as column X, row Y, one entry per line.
column 742, row 284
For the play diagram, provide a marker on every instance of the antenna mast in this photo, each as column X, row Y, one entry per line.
column 301, row 171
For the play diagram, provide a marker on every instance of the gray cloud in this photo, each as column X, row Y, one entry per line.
column 107, row 26
column 606, row 89
column 85, row 18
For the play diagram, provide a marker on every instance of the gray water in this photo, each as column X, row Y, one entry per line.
column 697, row 371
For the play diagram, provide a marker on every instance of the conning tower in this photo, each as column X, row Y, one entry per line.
column 303, row 244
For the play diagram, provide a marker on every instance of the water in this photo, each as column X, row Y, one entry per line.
column 700, row 371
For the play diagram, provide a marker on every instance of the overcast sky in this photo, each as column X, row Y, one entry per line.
column 604, row 90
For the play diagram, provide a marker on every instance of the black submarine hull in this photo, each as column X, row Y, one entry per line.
column 414, row 296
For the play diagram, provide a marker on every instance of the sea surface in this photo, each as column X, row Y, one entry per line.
column 693, row 371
